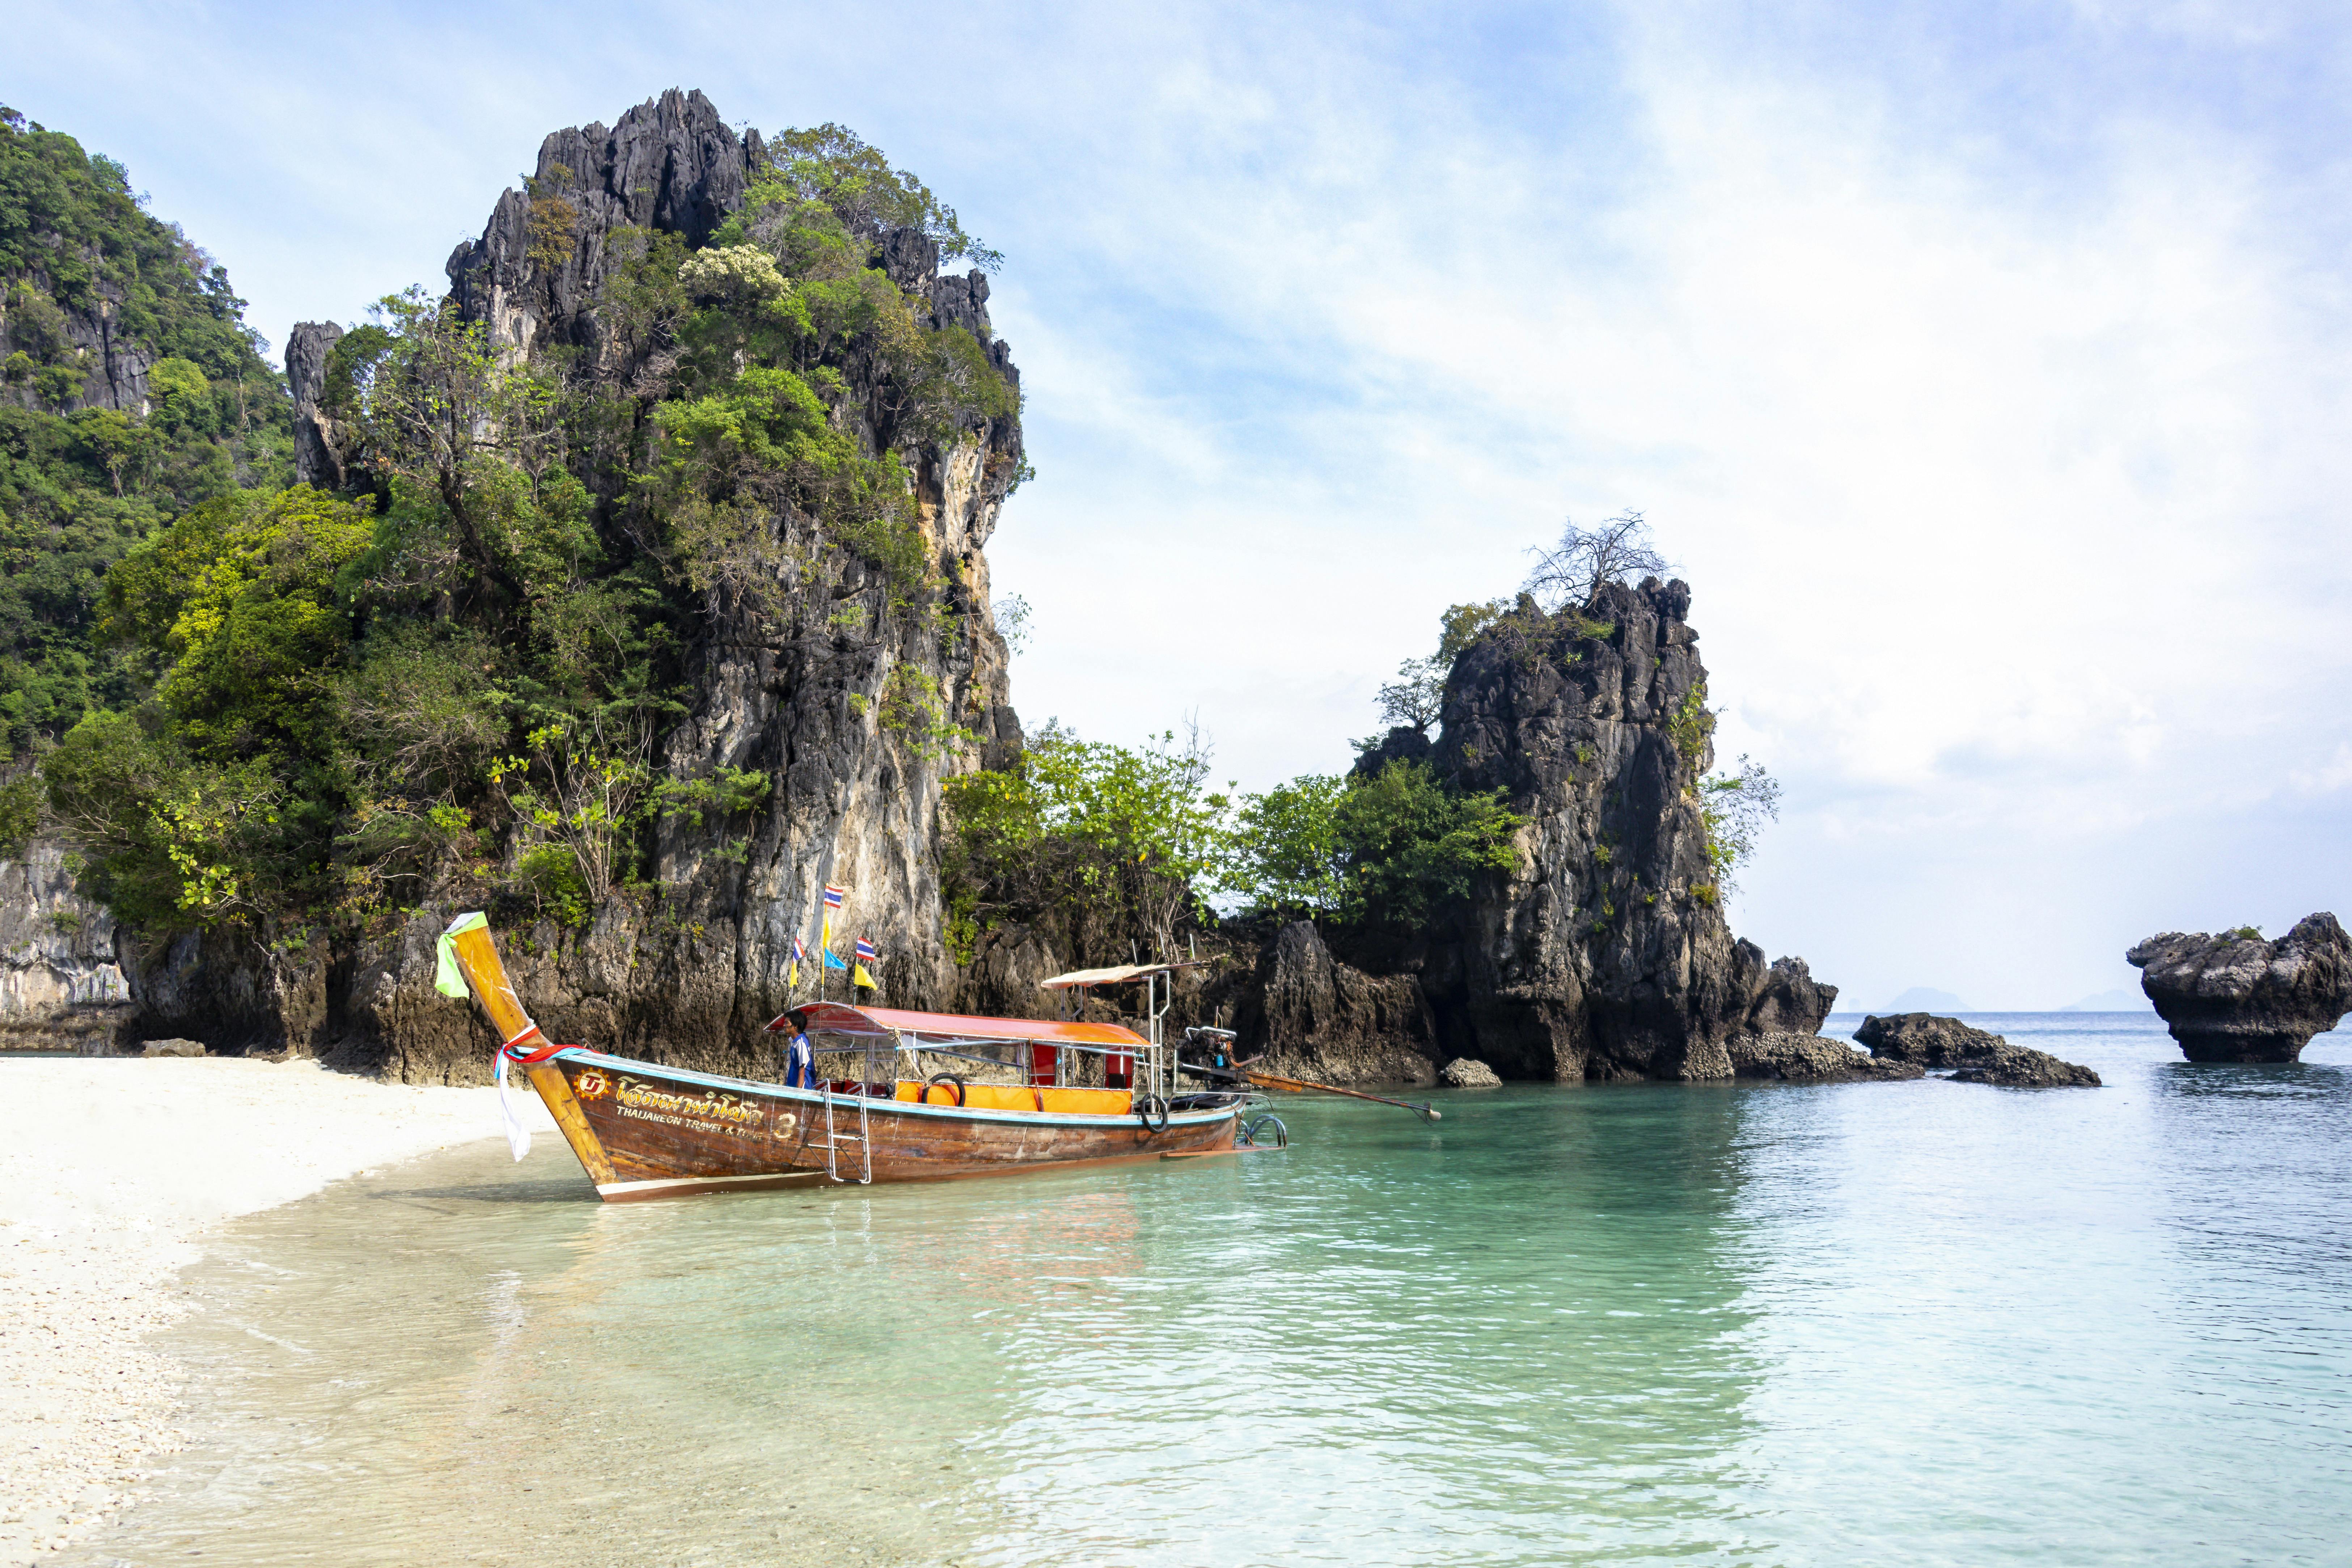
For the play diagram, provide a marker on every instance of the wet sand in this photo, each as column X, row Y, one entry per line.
column 112, row 1171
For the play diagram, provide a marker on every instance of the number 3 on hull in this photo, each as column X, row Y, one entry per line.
column 642, row 1129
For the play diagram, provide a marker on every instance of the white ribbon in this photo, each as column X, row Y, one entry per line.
column 510, row 1122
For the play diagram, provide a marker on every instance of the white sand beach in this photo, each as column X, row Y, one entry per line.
column 110, row 1171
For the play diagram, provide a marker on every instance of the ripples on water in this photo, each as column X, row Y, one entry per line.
column 1917, row 1322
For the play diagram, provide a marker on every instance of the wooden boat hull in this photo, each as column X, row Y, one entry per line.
column 643, row 1131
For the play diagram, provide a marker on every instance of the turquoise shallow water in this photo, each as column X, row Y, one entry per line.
column 1921, row 1323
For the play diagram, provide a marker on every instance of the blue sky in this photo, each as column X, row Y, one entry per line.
column 1983, row 369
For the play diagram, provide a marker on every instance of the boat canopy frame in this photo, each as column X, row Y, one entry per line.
column 966, row 1038
column 878, row 1031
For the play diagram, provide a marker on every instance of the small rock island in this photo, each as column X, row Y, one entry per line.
column 2237, row 998
column 1972, row 1054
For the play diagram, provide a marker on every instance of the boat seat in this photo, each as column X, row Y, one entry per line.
column 1020, row 1096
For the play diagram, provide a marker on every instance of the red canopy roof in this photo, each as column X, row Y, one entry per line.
column 841, row 1018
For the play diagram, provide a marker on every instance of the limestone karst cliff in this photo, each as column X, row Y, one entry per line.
column 831, row 682
column 1605, row 954
column 61, row 983
column 1608, row 955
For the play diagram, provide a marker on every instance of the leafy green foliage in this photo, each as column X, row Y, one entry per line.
column 82, row 487
column 69, row 221
column 830, row 165
column 174, row 839
column 215, row 798
column 1462, row 625
column 753, row 433
column 1095, row 841
column 20, row 815
column 914, row 709
column 727, row 792
column 1416, row 697
column 1691, row 725
column 551, row 874
column 1382, row 851
column 1287, row 849
column 1734, row 806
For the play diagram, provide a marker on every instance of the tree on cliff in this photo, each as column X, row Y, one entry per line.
column 1379, row 849
column 1417, row 696
column 1735, row 807
column 1569, row 574
column 831, row 164
column 1102, row 844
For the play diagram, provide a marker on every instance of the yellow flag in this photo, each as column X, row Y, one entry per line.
column 861, row 978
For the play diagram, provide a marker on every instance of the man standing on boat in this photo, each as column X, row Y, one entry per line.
column 799, row 1063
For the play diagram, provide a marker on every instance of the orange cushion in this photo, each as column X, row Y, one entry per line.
column 1019, row 1096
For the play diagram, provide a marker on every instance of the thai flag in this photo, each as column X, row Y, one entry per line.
column 799, row 950
column 866, row 953
column 833, row 896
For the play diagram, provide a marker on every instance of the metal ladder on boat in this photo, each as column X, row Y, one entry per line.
column 832, row 1143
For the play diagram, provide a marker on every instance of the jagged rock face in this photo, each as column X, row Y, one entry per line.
column 320, row 452
column 61, row 984
column 1788, row 1000
column 796, row 694
column 670, row 163
column 1605, row 956
column 1002, row 979
column 1927, row 1041
column 1313, row 1016
column 1811, row 1058
column 114, row 367
column 2241, row 999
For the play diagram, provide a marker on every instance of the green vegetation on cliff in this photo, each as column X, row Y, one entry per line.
column 1380, row 849
column 458, row 676
column 98, row 299
column 1105, row 846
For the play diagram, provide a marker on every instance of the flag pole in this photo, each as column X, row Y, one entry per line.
column 816, row 919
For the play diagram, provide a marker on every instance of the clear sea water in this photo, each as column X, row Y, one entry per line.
column 1920, row 1322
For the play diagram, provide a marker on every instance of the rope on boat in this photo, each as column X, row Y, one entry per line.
column 1427, row 1112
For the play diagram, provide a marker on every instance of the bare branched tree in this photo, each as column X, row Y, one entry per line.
column 1571, row 574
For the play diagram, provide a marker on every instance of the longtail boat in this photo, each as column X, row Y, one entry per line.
column 643, row 1129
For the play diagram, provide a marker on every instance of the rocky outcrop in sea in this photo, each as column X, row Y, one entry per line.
column 2237, row 998
column 1606, row 954
column 1812, row 1058
column 1972, row 1054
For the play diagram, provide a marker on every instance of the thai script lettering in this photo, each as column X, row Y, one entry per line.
column 635, row 1095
